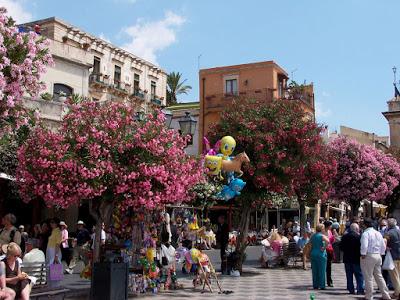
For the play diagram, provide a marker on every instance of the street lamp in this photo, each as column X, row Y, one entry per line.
column 187, row 124
column 168, row 117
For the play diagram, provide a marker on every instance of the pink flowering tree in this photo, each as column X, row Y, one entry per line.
column 363, row 173
column 103, row 156
column 23, row 58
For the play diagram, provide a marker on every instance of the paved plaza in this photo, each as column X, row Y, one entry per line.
column 257, row 283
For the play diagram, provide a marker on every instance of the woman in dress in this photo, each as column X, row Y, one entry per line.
column 53, row 244
column 15, row 279
column 329, row 252
column 318, row 257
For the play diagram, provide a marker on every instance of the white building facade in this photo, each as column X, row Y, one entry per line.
column 91, row 67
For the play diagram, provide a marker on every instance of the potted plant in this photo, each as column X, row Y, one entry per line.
column 46, row 96
column 62, row 96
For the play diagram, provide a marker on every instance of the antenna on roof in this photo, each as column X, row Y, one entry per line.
column 292, row 74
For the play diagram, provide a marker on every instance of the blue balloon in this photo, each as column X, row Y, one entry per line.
column 231, row 191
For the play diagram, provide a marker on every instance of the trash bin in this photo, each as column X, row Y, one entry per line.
column 109, row 281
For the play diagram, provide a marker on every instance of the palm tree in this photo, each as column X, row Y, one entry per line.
column 175, row 87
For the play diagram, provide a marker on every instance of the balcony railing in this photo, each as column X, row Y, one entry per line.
column 302, row 93
column 139, row 94
column 217, row 101
column 96, row 78
column 155, row 100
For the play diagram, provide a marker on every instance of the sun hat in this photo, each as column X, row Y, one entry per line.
column 21, row 227
column 62, row 223
column 80, row 223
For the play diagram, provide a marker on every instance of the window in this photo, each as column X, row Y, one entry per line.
column 117, row 75
column 231, row 87
column 136, row 81
column 153, row 89
column 59, row 87
column 96, row 65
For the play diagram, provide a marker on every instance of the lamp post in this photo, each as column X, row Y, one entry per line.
column 187, row 124
column 168, row 117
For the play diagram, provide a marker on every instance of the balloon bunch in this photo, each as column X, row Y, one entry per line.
column 149, row 268
column 223, row 163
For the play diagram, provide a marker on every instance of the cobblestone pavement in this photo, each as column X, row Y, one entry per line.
column 274, row 284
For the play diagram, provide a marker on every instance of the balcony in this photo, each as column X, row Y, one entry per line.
column 155, row 100
column 219, row 101
column 302, row 93
column 97, row 80
column 119, row 88
column 138, row 94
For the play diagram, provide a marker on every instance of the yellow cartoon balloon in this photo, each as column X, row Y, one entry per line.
column 213, row 164
column 227, row 147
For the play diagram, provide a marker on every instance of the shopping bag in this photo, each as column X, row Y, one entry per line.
column 56, row 272
column 388, row 264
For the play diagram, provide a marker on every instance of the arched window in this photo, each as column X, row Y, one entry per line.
column 59, row 87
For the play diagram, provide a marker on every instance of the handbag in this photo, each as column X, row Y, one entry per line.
column 388, row 263
column 56, row 272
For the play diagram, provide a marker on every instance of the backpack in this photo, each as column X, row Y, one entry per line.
column 22, row 245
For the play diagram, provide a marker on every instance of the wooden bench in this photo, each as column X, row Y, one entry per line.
column 289, row 253
column 41, row 290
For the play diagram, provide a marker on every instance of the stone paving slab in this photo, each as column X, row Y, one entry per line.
column 257, row 283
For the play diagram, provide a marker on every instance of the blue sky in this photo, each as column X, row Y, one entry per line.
column 346, row 47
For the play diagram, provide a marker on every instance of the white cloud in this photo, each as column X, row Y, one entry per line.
column 149, row 38
column 321, row 111
column 16, row 10
column 104, row 37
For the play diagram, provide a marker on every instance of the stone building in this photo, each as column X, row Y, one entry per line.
column 88, row 66
column 393, row 117
column 366, row 138
column 262, row 81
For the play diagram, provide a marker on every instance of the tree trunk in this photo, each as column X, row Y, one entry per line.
column 137, row 242
column 303, row 220
column 241, row 242
column 101, row 210
column 355, row 205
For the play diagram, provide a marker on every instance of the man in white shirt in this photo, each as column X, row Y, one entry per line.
column 372, row 247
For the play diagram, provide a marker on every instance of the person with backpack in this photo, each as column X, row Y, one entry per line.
column 10, row 233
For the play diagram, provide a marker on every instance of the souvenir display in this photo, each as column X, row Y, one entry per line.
column 224, row 167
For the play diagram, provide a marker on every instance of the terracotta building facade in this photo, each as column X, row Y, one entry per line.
column 262, row 81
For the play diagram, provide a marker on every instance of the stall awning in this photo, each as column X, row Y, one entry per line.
column 374, row 204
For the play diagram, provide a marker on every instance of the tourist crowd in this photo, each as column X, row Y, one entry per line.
column 47, row 243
